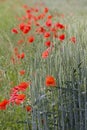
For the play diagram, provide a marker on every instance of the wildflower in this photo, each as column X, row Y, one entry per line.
column 61, row 37
column 49, row 16
column 21, row 56
column 3, row 104
column 45, row 54
column 31, row 39
column 73, row 39
column 28, row 108
column 48, row 43
column 20, row 98
column 22, row 72
column 25, row 28
column 46, row 10
column 40, row 30
column 23, row 85
column 50, row 81
column 60, row 26
column 47, row 34
column 48, row 23
column 14, row 30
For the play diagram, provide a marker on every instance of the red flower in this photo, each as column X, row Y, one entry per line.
column 19, row 98
column 50, row 81
column 28, row 108
column 47, row 34
column 45, row 54
column 46, row 10
column 60, row 26
column 22, row 86
column 73, row 39
column 21, row 56
column 61, row 37
column 40, row 30
column 14, row 30
column 50, row 16
column 31, row 39
column 48, row 23
column 25, row 28
column 48, row 43
column 22, row 72
column 3, row 104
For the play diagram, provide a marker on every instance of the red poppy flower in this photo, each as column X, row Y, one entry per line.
column 40, row 30
column 46, row 10
column 14, row 30
column 45, row 54
column 20, row 98
column 48, row 43
column 31, row 39
column 28, row 108
column 21, row 56
column 49, row 16
column 3, row 104
column 25, row 28
column 22, row 72
column 73, row 39
column 48, row 23
column 61, row 37
column 59, row 26
column 23, row 85
column 50, row 81
column 47, row 34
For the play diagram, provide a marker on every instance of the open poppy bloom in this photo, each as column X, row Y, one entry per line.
column 21, row 56
column 47, row 34
column 3, row 104
column 30, row 39
column 50, row 81
column 47, row 43
column 14, row 30
column 61, row 37
column 28, row 108
column 20, row 98
column 45, row 54
column 23, row 86
column 73, row 39
column 22, row 72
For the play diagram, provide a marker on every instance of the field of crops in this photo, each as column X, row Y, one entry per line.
column 43, row 65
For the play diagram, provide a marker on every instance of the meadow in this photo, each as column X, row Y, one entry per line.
column 43, row 65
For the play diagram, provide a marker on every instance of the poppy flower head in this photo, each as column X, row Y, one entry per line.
column 59, row 26
column 31, row 39
column 46, row 10
column 21, row 56
column 19, row 98
column 47, row 34
column 50, row 81
column 73, row 39
column 25, row 28
column 14, row 30
column 47, row 43
column 3, row 104
column 48, row 23
column 45, row 54
column 23, row 86
column 22, row 72
column 61, row 37
column 28, row 108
